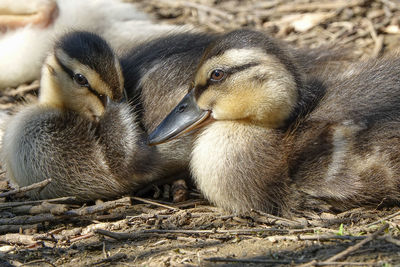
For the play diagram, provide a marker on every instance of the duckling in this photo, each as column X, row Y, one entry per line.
column 78, row 134
column 273, row 137
column 30, row 28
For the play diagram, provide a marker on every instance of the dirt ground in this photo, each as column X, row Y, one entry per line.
column 154, row 231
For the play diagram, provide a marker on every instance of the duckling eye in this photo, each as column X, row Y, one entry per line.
column 80, row 79
column 217, row 75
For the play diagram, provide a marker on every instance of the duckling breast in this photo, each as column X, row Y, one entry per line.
column 231, row 163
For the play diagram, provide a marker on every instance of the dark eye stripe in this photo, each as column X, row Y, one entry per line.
column 201, row 88
column 241, row 67
column 70, row 73
column 102, row 98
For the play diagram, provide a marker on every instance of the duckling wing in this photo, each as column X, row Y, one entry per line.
column 366, row 92
column 346, row 151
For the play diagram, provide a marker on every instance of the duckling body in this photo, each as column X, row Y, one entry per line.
column 275, row 138
column 350, row 158
column 85, row 159
column 226, row 158
column 78, row 134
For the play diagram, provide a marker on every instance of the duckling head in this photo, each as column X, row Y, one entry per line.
column 244, row 76
column 81, row 74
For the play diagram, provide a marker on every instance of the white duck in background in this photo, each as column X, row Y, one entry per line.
column 28, row 29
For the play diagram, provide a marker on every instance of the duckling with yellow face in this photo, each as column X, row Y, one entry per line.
column 79, row 134
column 81, row 75
column 275, row 138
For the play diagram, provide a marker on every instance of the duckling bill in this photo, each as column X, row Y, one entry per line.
column 185, row 117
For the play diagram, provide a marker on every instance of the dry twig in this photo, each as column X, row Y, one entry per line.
column 278, row 220
column 113, row 258
column 142, row 233
column 313, row 237
column 268, row 261
column 257, row 261
column 351, row 248
column 38, row 261
column 45, row 207
column 384, row 219
column 29, row 219
column 18, row 239
column 16, row 228
column 126, row 201
column 26, row 188
column 154, row 203
column 9, row 205
column 392, row 240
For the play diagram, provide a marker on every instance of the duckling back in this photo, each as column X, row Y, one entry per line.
column 346, row 150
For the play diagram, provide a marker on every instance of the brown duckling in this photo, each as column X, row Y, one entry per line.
column 275, row 138
column 78, row 134
column 150, row 70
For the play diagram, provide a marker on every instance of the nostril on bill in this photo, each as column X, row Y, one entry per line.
column 181, row 108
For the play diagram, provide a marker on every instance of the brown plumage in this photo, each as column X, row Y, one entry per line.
column 282, row 136
column 78, row 134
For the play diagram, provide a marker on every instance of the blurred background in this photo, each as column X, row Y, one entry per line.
column 371, row 27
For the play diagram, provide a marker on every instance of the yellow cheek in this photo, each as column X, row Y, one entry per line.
column 207, row 99
column 85, row 103
column 231, row 107
column 232, row 101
